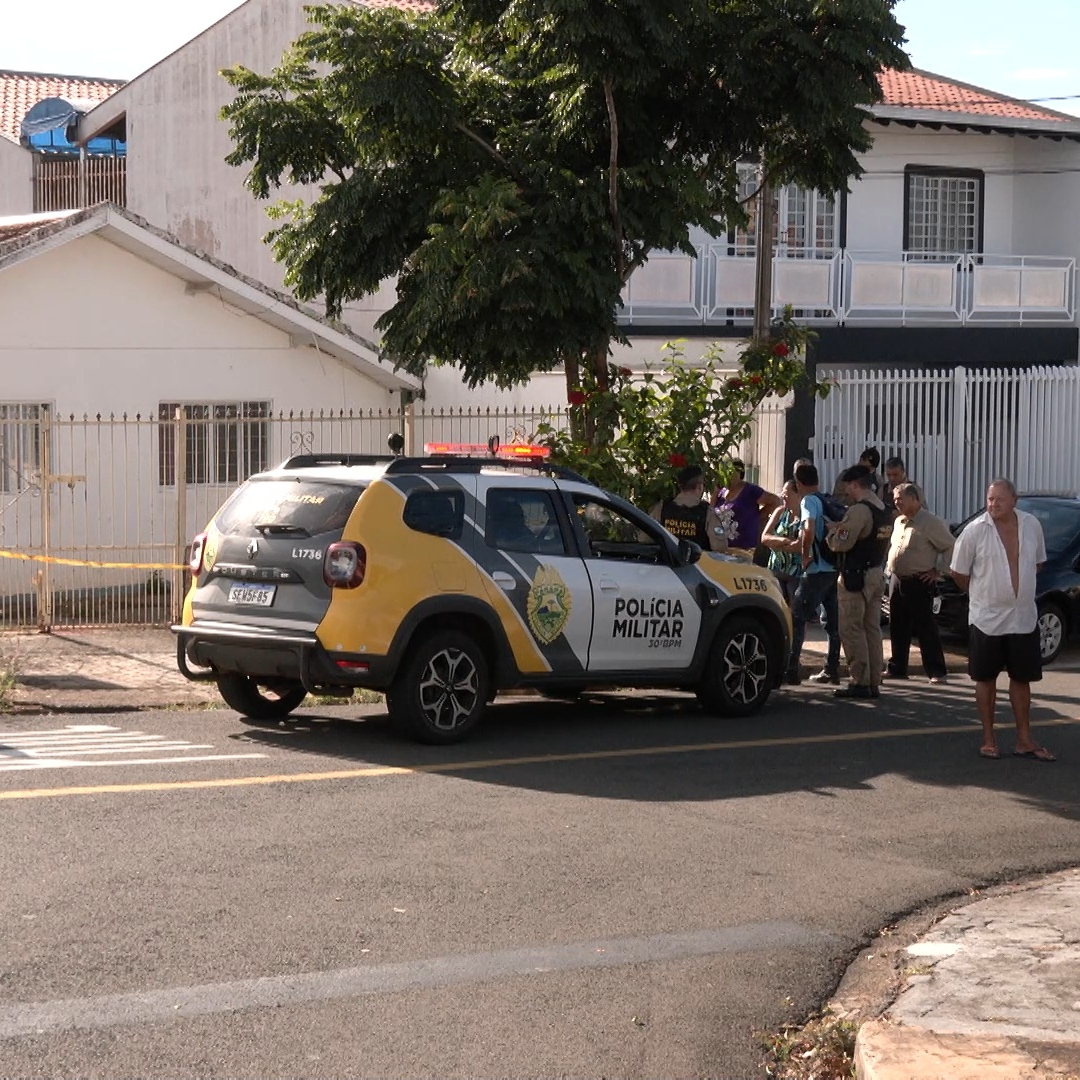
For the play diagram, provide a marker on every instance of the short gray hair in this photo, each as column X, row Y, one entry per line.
column 1005, row 483
column 909, row 488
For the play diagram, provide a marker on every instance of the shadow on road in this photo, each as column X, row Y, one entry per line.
column 660, row 747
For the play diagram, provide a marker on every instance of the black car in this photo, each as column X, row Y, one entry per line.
column 1057, row 587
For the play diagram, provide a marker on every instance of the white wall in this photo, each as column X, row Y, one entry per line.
column 16, row 179
column 1047, row 183
column 89, row 327
column 1032, row 189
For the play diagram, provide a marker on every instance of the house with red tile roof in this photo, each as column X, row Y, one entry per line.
column 956, row 246
column 37, row 173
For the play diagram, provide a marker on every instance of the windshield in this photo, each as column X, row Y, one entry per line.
column 303, row 505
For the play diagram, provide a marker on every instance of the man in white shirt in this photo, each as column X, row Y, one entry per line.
column 995, row 560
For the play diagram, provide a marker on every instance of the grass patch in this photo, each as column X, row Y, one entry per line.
column 821, row 1049
column 9, row 670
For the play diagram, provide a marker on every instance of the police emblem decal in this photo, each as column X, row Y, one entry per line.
column 548, row 605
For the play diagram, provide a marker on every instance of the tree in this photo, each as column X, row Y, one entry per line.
column 512, row 162
column 647, row 427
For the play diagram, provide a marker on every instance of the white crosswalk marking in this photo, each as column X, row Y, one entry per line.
column 98, row 746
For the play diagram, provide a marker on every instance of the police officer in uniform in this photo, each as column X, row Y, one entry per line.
column 861, row 539
column 688, row 516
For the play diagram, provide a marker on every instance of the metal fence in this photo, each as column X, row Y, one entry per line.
column 96, row 513
column 957, row 430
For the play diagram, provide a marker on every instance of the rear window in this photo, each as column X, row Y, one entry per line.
column 314, row 506
column 1060, row 522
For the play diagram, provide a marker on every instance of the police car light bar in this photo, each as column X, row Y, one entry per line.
column 510, row 451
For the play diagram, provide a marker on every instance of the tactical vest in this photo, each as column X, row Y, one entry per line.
column 686, row 522
column 873, row 549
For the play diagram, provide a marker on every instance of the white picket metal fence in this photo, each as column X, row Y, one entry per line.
column 96, row 512
column 956, row 430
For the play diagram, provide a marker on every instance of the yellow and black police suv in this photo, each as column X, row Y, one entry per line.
column 444, row 579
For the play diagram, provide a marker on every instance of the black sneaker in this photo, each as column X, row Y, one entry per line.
column 889, row 673
column 824, row 677
column 854, row 690
column 792, row 677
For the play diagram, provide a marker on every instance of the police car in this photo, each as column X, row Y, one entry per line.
column 444, row 579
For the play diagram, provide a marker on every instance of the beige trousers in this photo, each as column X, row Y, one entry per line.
column 860, row 628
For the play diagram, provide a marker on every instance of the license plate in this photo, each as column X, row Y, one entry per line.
column 259, row 595
column 937, row 605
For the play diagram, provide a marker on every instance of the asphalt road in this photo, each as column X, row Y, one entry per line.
column 620, row 888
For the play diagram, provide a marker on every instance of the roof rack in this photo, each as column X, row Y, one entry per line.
column 311, row 461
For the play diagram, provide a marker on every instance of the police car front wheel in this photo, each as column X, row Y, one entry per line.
column 441, row 691
column 739, row 671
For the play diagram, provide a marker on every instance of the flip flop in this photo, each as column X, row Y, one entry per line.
column 989, row 752
column 1040, row 753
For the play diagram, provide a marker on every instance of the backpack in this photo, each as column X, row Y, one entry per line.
column 833, row 510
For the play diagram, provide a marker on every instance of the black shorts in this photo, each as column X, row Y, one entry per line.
column 1018, row 654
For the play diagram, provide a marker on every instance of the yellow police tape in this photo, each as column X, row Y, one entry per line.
column 92, row 562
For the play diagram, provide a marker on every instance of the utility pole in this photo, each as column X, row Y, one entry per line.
column 764, row 261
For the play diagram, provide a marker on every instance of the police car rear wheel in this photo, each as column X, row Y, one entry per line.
column 260, row 701
column 739, row 672
column 440, row 693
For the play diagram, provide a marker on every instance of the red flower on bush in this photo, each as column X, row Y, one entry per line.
column 780, row 349
column 734, row 384
column 755, row 380
column 577, row 397
column 625, row 372
column 677, row 461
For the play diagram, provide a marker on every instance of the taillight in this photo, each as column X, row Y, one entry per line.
column 345, row 565
column 198, row 545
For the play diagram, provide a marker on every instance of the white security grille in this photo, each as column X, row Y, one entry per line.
column 956, row 430
column 943, row 213
column 19, row 445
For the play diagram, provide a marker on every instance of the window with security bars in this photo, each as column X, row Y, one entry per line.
column 224, row 442
column 20, row 445
column 805, row 220
column 943, row 213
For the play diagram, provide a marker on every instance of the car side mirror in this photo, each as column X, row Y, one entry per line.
column 689, row 552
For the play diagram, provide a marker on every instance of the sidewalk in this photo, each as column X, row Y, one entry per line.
column 98, row 671
column 991, row 992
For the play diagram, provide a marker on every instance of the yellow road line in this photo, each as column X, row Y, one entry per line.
column 497, row 763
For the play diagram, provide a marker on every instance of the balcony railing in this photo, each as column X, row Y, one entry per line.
column 845, row 286
column 65, row 182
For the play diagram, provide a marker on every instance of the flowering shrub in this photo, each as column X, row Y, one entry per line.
column 634, row 436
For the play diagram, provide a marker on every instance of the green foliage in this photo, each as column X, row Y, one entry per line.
column 634, row 435
column 511, row 162
column 9, row 671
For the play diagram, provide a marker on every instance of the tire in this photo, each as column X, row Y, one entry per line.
column 441, row 691
column 740, row 670
column 260, row 701
column 1052, row 629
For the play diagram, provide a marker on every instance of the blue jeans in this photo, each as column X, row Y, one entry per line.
column 814, row 591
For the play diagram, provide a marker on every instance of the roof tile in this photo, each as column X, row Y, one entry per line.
column 20, row 90
column 922, row 90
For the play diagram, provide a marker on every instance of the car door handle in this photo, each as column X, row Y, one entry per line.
column 607, row 585
column 506, row 582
